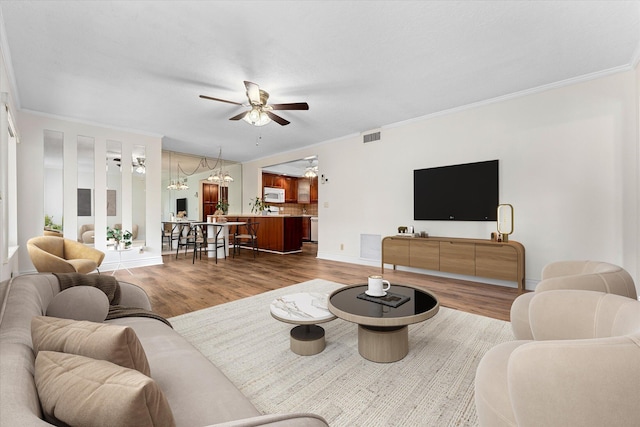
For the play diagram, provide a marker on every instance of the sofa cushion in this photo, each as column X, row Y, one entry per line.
column 80, row 303
column 114, row 343
column 80, row 391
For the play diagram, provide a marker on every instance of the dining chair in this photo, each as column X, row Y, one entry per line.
column 249, row 236
column 199, row 241
column 186, row 238
column 219, row 241
column 168, row 233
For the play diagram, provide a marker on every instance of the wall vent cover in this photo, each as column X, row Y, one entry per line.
column 370, row 137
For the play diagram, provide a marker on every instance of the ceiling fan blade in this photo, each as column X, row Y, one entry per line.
column 277, row 119
column 290, row 106
column 218, row 99
column 239, row 116
column 253, row 93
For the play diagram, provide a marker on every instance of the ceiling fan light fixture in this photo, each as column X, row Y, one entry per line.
column 257, row 117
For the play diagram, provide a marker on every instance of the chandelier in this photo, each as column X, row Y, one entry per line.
column 176, row 184
column 219, row 176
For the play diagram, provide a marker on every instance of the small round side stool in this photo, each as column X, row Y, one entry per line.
column 306, row 310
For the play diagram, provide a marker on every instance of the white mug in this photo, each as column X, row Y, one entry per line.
column 376, row 287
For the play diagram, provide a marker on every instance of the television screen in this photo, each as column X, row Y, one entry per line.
column 181, row 205
column 466, row 192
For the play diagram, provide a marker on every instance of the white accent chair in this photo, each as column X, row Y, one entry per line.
column 582, row 275
column 582, row 367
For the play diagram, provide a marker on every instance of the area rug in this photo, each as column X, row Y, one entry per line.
column 431, row 386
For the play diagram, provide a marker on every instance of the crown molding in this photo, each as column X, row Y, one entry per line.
column 90, row 123
column 520, row 94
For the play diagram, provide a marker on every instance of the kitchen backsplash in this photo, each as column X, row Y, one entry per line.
column 298, row 209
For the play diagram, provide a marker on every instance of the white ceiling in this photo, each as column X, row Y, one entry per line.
column 360, row 65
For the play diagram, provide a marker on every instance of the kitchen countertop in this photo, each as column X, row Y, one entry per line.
column 270, row 215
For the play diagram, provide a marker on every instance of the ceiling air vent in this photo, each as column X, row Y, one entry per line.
column 371, row 136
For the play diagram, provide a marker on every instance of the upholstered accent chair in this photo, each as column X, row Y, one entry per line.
column 86, row 234
column 584, row 275
column 59, row 255
column 582, row 367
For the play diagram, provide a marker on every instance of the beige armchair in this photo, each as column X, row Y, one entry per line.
column 60, row 255
column 583, row 369
column 86, row 234
column 584, row 275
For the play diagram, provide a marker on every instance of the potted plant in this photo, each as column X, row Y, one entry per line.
column 120, row 238
column 258, row 205
column 222, row 206
column 50, row 225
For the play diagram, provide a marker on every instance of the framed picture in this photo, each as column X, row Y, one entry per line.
column 111, row 202
column 84, row 202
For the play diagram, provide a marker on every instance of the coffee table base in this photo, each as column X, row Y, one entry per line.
column 383, row 344
column 307, row 340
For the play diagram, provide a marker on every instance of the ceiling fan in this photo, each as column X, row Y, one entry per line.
column 260, row 113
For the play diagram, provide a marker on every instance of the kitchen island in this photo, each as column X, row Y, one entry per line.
column 276, row 233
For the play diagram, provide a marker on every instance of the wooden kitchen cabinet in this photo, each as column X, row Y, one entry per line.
column 290, row 189
column 472, row 257
column 314, row 190
column 304, row 190
column 282, row 234
column 306, row 228
column 272, row 180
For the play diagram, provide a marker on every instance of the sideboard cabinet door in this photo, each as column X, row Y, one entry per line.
column 424, row 254
column 458, row 258
column 497, row 262
column 395, row 251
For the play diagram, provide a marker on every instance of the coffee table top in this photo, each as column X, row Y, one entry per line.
column 345, row 304
column 305, row 308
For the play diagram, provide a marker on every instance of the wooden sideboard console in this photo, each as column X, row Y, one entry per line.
column 472, row 257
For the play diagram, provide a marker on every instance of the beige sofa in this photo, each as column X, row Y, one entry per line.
column 197, row 392
column 583, row 369
column 579, row 275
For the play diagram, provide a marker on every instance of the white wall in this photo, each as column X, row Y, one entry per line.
column 568, row 165
column 31, row 186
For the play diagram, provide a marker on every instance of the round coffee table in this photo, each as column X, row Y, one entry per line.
column 383, row 334
column 306, row 310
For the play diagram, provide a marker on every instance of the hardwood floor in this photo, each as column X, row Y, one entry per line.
column 178, row 286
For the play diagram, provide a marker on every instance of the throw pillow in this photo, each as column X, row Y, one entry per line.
column 115, row 343
column 80, row 391
column 80, row 303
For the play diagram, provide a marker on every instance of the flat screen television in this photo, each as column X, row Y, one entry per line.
column 181, row 205
column 465, row 192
